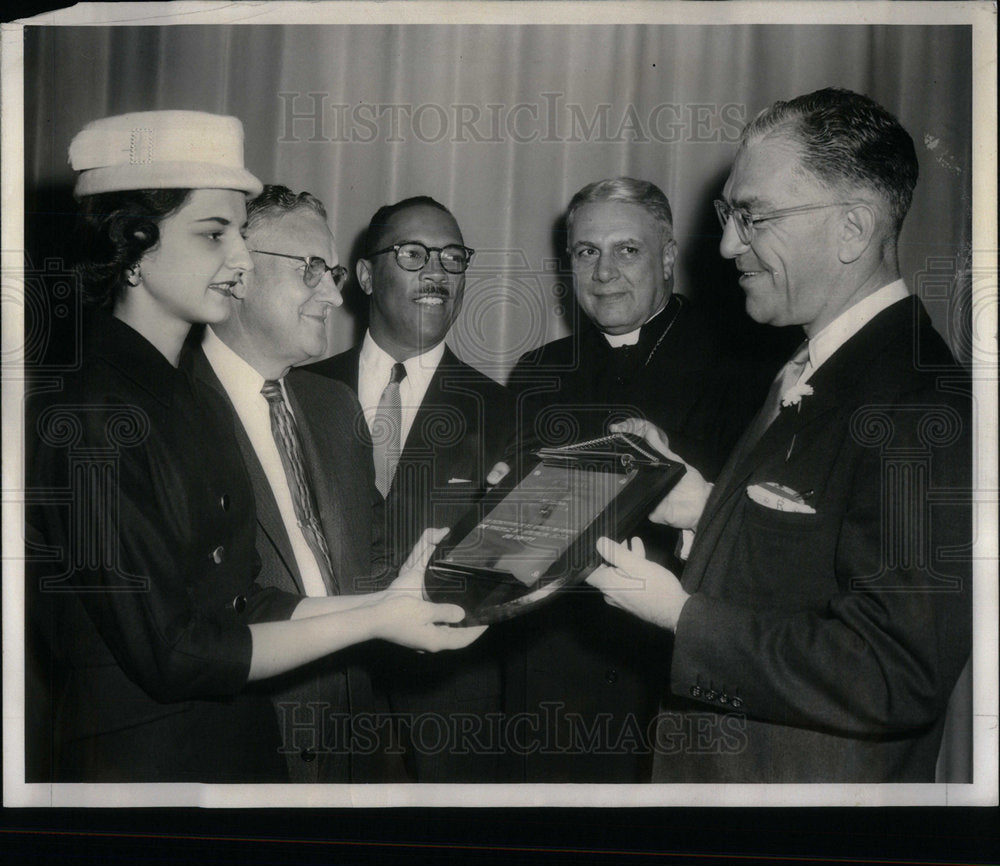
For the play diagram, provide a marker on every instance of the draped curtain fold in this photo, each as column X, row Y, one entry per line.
column 504, row 123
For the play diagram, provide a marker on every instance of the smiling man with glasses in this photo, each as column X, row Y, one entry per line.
column 824, row 613
column 318, row 513
column 437, row 426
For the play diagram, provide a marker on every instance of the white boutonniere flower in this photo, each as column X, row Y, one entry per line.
column 793, row 396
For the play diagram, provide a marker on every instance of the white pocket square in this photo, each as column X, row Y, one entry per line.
column 779, row 498
column 459, row 480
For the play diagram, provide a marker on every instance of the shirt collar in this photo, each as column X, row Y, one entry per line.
column 377, row 362
column 616, row 341
column 236, row 375
column 852, row 320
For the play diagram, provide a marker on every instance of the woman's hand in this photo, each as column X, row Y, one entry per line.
column 421, row 625
column 683, row 505
column 411, row 572
column 402, row 615
column 633, row 583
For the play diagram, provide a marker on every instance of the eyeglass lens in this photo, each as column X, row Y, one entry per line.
column 317, row 267
column 413, row 256
column 740, row 220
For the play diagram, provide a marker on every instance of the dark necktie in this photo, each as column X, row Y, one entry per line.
column 387, row 431
column 787, row 376
column 286, row 437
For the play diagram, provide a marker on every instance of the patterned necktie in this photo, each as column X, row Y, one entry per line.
column 286, row 437
column 787, row 376
column 387, row 431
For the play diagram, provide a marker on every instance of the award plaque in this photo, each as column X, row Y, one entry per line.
column 523, row 543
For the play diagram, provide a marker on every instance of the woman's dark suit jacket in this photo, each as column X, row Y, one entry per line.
column 141, row 579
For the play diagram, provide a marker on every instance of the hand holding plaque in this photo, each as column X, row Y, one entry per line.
column 523, row 543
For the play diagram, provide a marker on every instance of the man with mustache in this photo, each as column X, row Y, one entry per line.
column 316, row 533
column 437, row 426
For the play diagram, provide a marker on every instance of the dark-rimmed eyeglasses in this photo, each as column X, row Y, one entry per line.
column 315, row 268
column 413, row 255
column 745, row 222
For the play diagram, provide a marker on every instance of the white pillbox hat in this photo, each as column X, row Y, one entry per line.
column 161, row 150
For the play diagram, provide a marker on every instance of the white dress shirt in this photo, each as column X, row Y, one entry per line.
column 848, row 323
column 243, row 383
column 374, row 367
column 823, row 344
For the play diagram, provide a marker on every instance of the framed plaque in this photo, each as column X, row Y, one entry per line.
column 526, row 541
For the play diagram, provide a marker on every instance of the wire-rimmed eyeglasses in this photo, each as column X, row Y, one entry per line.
column 745, row 222
column 413, row 255
column 315, row 268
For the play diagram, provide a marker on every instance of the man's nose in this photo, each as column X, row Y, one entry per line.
column 327, row 291
column 605, row 269
column 731, row 244
column 433, row 266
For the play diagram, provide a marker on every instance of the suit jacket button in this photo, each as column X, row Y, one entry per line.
column 308, row 755
column 240, row 603
column 695, row 692
column 723, row 698
column 218, row 555
column 736, row 703
column 224, row 502
column 710, row 695
column 611, row 676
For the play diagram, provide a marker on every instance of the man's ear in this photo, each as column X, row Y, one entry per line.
column 364, row 271
column 857, row 231
column 668, row 255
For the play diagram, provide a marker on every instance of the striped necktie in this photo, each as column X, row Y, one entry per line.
column 286, row 437
column 387, row 430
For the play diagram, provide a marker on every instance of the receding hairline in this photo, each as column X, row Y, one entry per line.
column 270, row 222
column 573, row 235
column 382, row 230
column 644, row 194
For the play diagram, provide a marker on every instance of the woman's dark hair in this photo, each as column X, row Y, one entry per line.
column 117, row 229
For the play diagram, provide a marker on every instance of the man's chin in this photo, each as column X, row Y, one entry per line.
column 616, row 325
column 764, row 315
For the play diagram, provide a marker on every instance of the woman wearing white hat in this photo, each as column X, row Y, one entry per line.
column 143, row 597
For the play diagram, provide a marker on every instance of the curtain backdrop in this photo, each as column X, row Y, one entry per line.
column 503, row 124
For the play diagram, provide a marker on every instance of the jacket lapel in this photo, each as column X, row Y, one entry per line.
column 834, row 379
column 350, row 368
column 268, row 516
column 416, row 445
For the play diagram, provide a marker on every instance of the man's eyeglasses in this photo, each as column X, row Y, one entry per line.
column 315, row 269
column 745, row 222
column 413, row 255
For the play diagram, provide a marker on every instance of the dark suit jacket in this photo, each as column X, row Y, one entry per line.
column 823, row 646
column 313, row 702
column 591, row 674
column 141, row 594
column 459, row 432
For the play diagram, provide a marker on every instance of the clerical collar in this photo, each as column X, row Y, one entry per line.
column 632, row 337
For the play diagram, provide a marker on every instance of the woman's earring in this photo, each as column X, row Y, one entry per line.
column 133, row 276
